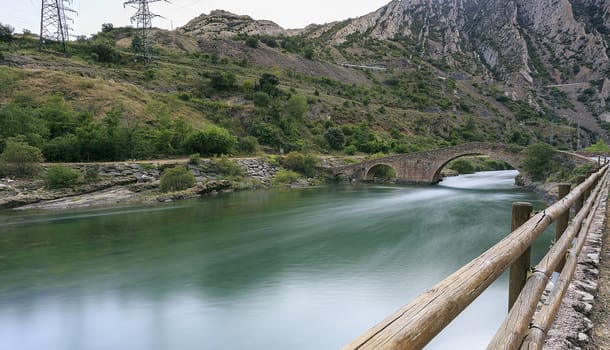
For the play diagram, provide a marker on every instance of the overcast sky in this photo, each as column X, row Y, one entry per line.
column 92, row 13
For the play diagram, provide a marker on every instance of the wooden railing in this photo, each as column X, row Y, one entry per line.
column 416, row 324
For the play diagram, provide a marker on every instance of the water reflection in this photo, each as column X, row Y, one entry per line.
column 290, row 269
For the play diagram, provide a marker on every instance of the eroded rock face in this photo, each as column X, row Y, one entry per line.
column 511, row 37
column 225, row 25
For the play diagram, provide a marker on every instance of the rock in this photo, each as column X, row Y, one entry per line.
column 3, row 187
column 587, row 286
column 594, row 258
column 584, row 296
column 583, row 338
column 144, row 178
column 583, row 308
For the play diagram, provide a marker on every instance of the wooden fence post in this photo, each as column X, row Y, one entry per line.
column 563, row 220
column 518, row 270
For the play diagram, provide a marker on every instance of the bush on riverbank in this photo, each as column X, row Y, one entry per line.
column 60, row 176
column 177, row 179
column 303, row 163
column 285, row 177
column 20, row 159
column 538, row 160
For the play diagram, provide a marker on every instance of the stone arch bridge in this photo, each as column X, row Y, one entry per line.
column 425, row 167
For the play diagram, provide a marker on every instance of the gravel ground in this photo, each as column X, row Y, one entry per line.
column 583, row 321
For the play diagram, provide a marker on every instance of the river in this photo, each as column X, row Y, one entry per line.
column 300, row 269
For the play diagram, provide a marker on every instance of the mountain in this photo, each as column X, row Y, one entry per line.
column 221, row 24
column 413, row 75
column 552, row 54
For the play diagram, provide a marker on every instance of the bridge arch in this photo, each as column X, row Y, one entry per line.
column 381, row 171
column 509, row 160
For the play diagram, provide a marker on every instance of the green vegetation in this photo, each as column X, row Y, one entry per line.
column 303, row 163
column 60, row 176
column 177, row 179
column 20, row 159
column 213, row 140
column 194, row 159
column 193, row 101
column 471, row 165
column 227, row 167
column 600, row 146
column 285, row 177
column 538, row 160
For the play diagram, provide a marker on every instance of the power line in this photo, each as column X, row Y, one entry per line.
column 143, row 18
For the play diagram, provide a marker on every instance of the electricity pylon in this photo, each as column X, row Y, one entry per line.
column 143, row 18
column 54, row 22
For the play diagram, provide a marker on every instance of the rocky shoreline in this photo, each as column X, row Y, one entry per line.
column 132, row 182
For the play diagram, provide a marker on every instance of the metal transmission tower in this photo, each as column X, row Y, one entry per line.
column 54, row 22
column 143, row 18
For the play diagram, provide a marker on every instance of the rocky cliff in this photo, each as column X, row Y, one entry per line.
column 224, row 25
column 518, row 40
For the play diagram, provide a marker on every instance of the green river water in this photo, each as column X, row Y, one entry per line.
column 283, row 269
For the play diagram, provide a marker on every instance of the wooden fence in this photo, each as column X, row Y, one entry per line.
column 416, row 324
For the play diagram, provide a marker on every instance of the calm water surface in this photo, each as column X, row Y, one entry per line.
column 289, row 269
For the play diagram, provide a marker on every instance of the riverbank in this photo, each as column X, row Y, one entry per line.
column 133, row 182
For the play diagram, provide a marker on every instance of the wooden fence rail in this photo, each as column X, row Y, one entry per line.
column 416, row 324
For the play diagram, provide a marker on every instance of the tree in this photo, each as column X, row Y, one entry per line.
column 21, row 159
column 223, row 81
column 261, row 99
column 6, row 32
column 213, row 140
column 177, row 179
column 268, row 83
column 335, row 138
column 297, row 107
column 107, row 27
column 252, row 42
column 537, row 160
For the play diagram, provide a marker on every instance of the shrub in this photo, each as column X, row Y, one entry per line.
column 252, row 42
column 223, row 81
column 21, row 159
column 6, row 32
column 60, row 176
column 537, row 160
column 335, row 138
column 248, row 145
column 102, row 52
column 177, row 179
column 213, row 140
column 599, row 146
column 304, row 163
column 268, row 83
column 351, row 150
column 297, row 107
column 194, row 159
column 92, row 173
column 227, row 167
column 261, row 99
column 285, row 176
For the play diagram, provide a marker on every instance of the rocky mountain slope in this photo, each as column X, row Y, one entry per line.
column 534, row 49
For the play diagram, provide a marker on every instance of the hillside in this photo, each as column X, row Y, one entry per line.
column 363, row 85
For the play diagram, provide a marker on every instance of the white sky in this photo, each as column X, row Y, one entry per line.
column 92, row 13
